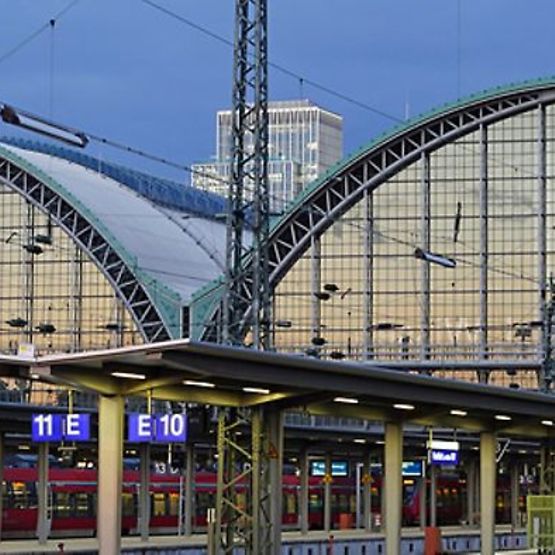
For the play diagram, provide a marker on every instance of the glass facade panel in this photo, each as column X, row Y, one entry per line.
column 477, row 202
column 52, row 295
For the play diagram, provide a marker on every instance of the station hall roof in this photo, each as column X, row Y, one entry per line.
column 165, row 231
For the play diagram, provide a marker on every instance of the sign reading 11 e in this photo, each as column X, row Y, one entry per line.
column 55, row 427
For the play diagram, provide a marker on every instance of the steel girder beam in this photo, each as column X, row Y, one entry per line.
column 120, row 276
column 321, row 207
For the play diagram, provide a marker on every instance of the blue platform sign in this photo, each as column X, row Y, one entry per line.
column 46, row 427
column 444, row 457
column 413, row 468
column 166, row 428
column 338, row 468
column 55, row 427
column 171, row 427
column 77, row 427
column 140, row 428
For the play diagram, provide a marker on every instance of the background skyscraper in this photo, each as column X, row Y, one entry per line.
column 304, row 141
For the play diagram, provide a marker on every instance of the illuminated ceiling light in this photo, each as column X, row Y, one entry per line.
column 46, row 327
column 43, row 126
column 347, row 400
column 382, row 326
column 128, row 375
column 24, row 447
column 34, row 376
column 458, row 412
column 199, row 384
column 17, row 322
column 359, row 440
column 435, row 258
column 33, row 249
column 403, row 406
column 503, row 417
column 547, row 422
column 331, row 287
column 44, row 239
column 380, row 442
column 260, row 390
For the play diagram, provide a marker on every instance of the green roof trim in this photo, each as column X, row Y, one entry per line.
column 404, row 127
column 167, row 301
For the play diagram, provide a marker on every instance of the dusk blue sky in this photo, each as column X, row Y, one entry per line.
column 125, row 71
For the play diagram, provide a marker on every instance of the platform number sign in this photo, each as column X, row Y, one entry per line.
column 55, row 427
column 171, row 427
column 167, row 428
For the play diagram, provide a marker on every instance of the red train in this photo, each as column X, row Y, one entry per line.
column 72, row 499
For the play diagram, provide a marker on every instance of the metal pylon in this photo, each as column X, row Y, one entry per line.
column 243, row 506
column 249, row 171
column 547, row 470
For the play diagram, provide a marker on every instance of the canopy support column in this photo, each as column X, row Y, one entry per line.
column 303, row 492
column 144, row 492
column 189, row 489
column 42, row 494
column 110, row 461
column 394, row 489
column 487, row 491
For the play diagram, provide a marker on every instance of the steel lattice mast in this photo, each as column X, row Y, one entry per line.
column 249, row 169
column 248, row 523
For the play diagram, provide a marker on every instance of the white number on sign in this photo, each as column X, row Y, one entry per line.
column 45, row 424
column 173, row 424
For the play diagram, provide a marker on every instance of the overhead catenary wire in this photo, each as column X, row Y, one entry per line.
column 303, row 80
column 48, row 25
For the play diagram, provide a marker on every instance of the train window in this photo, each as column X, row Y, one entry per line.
column 204, row 501
column 128, row 504
column 20, row 496
column 314, row 502
column 289, row 503
column 82, row 504
column 343, row 504
column 173, row 501
column 62, row 504
column 158, row 504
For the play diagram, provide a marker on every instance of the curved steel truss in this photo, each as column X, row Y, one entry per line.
column 126, row 285
column 340, row 191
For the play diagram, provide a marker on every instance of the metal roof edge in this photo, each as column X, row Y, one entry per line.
column 404, row 127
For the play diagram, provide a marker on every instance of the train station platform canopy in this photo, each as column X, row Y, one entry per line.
column 183, row 370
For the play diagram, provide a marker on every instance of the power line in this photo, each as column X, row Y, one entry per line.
column 290, row 73
column 49, row 24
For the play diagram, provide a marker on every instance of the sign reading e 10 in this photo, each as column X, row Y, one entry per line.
column 55, row 427
column 168, row 428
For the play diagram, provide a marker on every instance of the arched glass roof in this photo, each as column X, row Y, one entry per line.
column 173, row 246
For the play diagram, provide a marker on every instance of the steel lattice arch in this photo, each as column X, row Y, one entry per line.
column 430, row 248
column 61, row 213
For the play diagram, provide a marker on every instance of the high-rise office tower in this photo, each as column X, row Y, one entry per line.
column 304, row 140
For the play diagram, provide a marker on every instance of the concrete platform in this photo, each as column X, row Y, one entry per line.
column 345, row 542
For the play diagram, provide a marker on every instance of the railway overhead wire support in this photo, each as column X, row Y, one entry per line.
column 248, row 494
column 247, row 285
